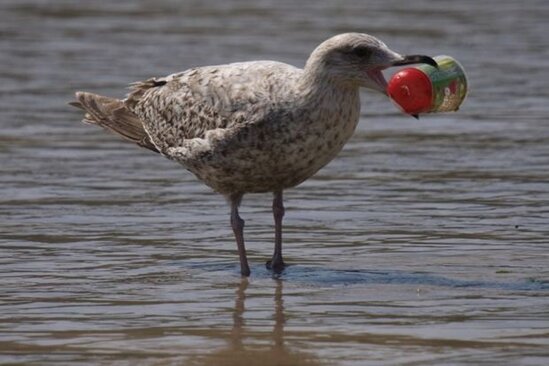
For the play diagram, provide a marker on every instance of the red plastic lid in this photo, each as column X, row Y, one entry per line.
column 412, row 90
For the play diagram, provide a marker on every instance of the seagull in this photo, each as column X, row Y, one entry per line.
column 252, row 127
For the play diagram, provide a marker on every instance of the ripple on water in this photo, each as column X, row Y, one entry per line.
column 424, row 242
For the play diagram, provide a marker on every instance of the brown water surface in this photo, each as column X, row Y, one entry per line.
column 425, row 242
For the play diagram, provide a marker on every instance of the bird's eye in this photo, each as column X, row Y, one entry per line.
column 362, row 52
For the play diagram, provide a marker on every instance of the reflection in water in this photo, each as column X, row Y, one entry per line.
column 238, row 353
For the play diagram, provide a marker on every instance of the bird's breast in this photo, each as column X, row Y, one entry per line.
column 320, row 136
column 288, row 146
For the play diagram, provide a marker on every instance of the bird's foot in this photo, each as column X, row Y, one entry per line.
column 276, row 265
column 245, row 272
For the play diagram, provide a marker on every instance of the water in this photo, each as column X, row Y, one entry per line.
column 422, row 243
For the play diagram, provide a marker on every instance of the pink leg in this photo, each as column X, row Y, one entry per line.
column 277, row 263
column 238, row 228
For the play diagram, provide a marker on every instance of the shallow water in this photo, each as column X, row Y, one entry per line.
column 424, row 242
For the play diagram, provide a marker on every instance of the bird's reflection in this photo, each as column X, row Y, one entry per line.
column 280, row 318
column 242, row 353
column 238, row 314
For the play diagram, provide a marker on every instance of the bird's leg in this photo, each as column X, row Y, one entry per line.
column 238, row 228
column 277, row 263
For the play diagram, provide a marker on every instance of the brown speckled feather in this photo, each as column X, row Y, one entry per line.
column 240, row 128
column 188, row 104
column 252, row 126
column 112, row 115
column 258, row 126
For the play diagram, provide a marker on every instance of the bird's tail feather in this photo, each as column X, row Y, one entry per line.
column 111, row 114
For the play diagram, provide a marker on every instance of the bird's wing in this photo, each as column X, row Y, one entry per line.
column 191, row 104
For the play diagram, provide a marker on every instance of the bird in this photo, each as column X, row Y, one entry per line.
column 252, row 127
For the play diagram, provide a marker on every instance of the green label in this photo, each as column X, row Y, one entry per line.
column 449, row 84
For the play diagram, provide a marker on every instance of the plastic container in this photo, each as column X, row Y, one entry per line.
column 427, row 89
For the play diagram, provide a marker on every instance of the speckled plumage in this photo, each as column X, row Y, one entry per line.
column 239, row 128
column 260, row 126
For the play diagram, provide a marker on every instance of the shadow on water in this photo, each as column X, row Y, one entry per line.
column 237, row 352
column 322, row 276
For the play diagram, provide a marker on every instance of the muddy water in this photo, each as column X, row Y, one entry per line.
column 425, row 242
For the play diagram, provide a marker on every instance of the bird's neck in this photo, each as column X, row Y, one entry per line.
column 318, row 76
column 317, row 85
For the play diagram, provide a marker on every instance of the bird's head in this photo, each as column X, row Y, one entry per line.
column 357, row 59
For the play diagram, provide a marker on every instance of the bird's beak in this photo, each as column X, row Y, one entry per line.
column 394, row 59
column 415, row 59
